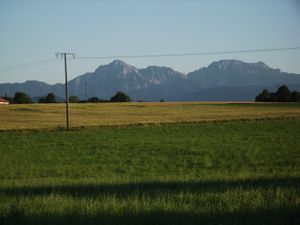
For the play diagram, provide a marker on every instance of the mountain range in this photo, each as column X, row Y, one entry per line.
column 224, row 80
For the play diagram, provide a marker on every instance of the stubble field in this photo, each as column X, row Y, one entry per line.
column 52, row 116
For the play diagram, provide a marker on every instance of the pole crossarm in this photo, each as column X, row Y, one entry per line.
column 62, row 54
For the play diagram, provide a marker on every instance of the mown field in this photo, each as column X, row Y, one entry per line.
column 243, row 171
column 37, row 116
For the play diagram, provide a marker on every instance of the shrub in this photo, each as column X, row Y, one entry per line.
column 120, row 97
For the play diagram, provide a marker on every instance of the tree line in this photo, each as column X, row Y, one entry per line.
column 23, row 98
column 283, row 94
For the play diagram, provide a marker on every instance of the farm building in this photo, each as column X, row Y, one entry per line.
column 3, row 101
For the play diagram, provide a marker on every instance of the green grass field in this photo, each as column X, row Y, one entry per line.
column 244, row 171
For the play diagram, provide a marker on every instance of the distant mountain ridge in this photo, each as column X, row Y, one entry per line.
column 221, row 80
column 238, row 73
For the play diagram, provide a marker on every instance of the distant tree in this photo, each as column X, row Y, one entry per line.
column 295, row 96
column 94, row 99
column 21, row 98
column 50, row 98
column 273, row 97
column 73, row 99
column 162, row 100
column 42, row 100
column 283, row 94
column 120, row 97
column 265, row 96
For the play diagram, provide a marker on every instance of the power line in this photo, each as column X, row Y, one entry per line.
column 29, row 65
column 192, row 53
column 50, row 61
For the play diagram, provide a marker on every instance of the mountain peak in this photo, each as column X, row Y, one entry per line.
column 122, row 66
column 118, row 63
column 116, row 67
column 234, row 63
column 224, row 64
column 230, row 61
column 261, row 64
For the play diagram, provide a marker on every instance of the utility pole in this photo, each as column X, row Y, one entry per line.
column 85, row 91
column 64, row 56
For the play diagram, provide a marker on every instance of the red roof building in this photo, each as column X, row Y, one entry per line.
column 3, row 101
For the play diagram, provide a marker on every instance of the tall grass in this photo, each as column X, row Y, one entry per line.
column 242, row 172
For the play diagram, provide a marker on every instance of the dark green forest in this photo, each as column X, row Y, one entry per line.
column 283, row 94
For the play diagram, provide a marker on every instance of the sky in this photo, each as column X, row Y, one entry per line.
column 33, row 30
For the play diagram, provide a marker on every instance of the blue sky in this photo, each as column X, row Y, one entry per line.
column 33, row 30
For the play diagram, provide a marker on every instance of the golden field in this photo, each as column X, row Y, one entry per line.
column 51, row 116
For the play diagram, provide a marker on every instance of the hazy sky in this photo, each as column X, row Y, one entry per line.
column 35, row 30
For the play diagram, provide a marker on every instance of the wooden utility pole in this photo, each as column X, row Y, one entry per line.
column 85, row 91
column 64, row 56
